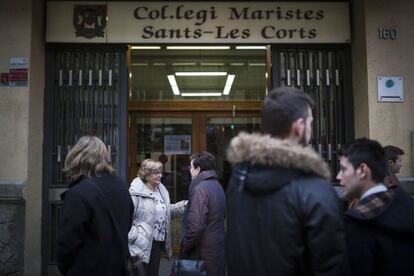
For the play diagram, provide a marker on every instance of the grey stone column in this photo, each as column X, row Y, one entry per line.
column 12, row 227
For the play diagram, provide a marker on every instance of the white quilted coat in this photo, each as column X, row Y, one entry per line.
column 141, row 234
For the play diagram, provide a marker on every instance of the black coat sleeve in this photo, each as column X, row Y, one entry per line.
column 71, row 235
column 324, row 231
column 361, row 248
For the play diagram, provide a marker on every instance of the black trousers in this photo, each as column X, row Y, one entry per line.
column 152, row 268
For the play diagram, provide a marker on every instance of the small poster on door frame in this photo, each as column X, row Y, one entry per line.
column 177, row 144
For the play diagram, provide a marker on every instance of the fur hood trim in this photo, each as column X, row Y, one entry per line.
column 259, row 149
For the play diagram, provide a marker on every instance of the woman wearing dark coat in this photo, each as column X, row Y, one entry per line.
column 88, row 242
column 204, row 220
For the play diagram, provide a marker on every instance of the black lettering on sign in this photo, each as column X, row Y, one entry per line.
column 319, row 15
column 281, row 33
column 312, row 33
column 271, row 32
column 138, row 12
column 267, row 32
column 235, row 14
column 289, row 15
column 197, row 33
column 233, row 33
column 148, row 33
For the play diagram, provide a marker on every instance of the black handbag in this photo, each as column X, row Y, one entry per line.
column 185, row 267
column 188, row 268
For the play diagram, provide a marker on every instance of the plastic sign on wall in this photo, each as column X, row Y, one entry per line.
column 390, row 89
column 18, row 72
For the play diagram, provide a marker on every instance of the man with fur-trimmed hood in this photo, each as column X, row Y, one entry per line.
column 283, row 214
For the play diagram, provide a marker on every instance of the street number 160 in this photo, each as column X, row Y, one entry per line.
column 388, row 33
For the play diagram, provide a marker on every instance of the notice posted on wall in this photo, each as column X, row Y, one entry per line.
column 18, row 72
column 177, row 144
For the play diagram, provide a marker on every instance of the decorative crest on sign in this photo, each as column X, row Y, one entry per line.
column 89, row 20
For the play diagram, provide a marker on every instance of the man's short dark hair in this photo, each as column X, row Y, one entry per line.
column 205, row 160
column 392, row 152
column 282, row 107
column 371, row 153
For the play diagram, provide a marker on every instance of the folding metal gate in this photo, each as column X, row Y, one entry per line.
column 323, row 73
column 85, row 94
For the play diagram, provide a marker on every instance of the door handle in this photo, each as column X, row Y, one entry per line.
column 288, row 77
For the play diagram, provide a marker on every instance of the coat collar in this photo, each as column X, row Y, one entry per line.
column 139, row 188
column 205, row 175
column 371, row 206
column 259, row 149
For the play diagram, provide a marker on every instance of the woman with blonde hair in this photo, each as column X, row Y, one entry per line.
column 97, row 214
column 150, row 232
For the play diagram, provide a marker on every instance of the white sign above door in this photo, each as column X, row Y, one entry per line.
column 198, row 22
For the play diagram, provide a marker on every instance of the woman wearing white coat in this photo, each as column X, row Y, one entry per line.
column 150, row 232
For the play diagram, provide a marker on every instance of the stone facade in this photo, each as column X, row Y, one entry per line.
column 12, row 220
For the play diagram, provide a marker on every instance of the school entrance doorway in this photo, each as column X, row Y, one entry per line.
column 166, row 102
column 185, row 99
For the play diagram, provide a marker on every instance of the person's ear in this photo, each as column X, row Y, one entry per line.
column 298, row 127
column 364, row 170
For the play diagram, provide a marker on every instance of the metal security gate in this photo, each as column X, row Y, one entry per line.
column 85, row 94
column 325, row 74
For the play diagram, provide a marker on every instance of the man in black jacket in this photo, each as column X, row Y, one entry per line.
column 283, row 214
column 380, row 227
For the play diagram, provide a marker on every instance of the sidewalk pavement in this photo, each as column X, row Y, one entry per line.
column 165, row 267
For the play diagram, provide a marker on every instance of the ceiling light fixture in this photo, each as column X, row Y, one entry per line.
column 201, row 74
column 139, row 64
column 184, row 64
column 257, row 64
column 251, row 47
column 212, row 64
column 201, row 94
column 229, row 83
column 226, row 90
column 198, row 47
column 173, row 83
column 145, row 47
